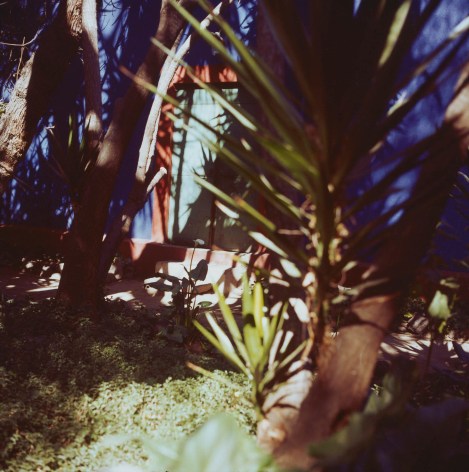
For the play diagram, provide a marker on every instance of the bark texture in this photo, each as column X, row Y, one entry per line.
column 346, row 365
column 80, row 279
column 458, row 112
column 94, row 109
column 37, row 82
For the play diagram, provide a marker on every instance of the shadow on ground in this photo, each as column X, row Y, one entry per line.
column 66, row 382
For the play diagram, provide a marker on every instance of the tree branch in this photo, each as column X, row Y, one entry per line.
column 94, row 109
column 37, row 82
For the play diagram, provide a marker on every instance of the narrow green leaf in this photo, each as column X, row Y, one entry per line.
column 211, row 375
column 261, row 84
column 286, row 341
column 237, row 203
column 247, row 298
column 274, row 349
column 266, row 242
column 253, row 345
column 395, row 30
column 290, row 268
column 230, row 321
column 220, row 334
column 230, row 355
column 259, row 308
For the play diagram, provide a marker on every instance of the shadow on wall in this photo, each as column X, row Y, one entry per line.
column 427, row 116
column 193, row 213
column 39, row 197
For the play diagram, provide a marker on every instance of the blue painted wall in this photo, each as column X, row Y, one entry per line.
column 40, row 198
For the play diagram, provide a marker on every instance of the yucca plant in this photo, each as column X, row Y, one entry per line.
column 342, row 120
column 260, row 349
column 317, row 143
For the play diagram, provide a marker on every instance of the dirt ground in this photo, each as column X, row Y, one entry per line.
column 14, row 284
column 132, row 291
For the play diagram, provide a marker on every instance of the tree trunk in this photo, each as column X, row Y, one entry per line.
column 457, row 114
column 80, row 279
column 94, row 109
column 346, row 364
column 145, row 180
column 38, row 80
column 120, row 227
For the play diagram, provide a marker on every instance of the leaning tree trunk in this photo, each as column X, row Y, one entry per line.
column 147, row 178
column 346, row 365
column 458, row 112
column 37, row 83
column 79, row 284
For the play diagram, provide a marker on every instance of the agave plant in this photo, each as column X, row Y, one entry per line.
column 260, row 349
column 323, row 138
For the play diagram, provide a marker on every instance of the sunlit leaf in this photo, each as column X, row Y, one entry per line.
column 439, row 307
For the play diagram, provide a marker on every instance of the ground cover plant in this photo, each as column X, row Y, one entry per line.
column 79, row 394
column 178, row 317
column 67, row 383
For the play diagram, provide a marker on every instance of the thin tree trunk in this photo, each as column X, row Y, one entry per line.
column 94, row 109
column 37, row 83
column 79, row 284
column 145, row 180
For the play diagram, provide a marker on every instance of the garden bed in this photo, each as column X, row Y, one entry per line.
column 68, row 384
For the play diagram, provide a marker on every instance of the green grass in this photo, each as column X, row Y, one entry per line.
column 67, row 384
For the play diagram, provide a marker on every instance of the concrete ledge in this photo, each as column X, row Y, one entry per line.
column 146, row 254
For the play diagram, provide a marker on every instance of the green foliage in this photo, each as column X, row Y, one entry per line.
column 184, row 307
column 441, row 307
column 66, row 383
column 315, row 145
column 70, row 161
column 219, row 445
column 260, row 349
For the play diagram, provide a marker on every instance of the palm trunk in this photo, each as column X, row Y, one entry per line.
column 346, row 365
column 36, row 85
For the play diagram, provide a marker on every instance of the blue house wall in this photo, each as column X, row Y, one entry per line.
column 39, row 198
